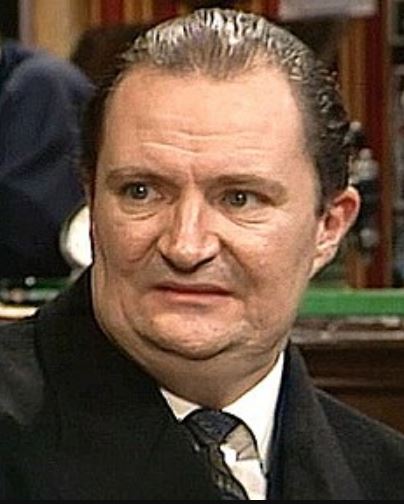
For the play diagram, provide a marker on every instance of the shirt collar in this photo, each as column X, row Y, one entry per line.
column 256, row 407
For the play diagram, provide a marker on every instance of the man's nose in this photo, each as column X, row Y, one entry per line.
column 189, row 239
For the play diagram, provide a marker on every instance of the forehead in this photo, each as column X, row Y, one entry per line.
column 251, row 121
column 257, row 97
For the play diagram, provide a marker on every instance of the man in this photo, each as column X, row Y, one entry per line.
column 41, row 102
column 217, row 181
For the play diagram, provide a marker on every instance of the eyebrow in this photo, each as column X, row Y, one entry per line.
column 116, row 175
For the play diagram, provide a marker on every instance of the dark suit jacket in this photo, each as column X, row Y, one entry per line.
column 79, row 420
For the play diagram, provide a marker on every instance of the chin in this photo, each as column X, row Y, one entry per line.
column 190, row 342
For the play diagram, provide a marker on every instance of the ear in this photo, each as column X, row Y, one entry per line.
column 333, row 225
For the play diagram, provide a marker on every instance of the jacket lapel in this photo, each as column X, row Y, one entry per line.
column 307, row 461
column 114, row 436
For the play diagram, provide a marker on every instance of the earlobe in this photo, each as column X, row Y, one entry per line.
column 334, row 224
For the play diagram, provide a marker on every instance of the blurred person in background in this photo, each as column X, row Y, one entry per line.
column 41, row 103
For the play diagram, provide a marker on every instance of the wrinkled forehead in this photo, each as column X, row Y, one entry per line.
column 262, row 94
column 247, row 123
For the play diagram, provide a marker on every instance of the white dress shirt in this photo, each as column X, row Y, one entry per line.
column 257, row 409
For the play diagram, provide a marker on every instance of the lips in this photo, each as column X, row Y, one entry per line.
column 193, row 288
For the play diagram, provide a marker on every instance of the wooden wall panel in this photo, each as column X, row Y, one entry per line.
column 57, row 24
column 115, row 11
column 364, row 73
column 111, row 11
column 378, row 69
column 360, row 365
column 138, row 12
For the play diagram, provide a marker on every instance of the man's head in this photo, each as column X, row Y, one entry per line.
column 224, row 43
column 212, row 201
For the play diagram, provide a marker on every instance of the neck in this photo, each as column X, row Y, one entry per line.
column 213, row 383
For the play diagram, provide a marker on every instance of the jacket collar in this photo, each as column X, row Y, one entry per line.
column 307, row 460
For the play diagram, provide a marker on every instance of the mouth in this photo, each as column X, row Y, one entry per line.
column 192, row 291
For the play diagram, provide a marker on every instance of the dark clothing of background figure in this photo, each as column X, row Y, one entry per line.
column 79, row 420
column 41, row 101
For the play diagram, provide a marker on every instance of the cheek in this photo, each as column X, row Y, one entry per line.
column 277, row 282
column 119, row 240
column 279, row 259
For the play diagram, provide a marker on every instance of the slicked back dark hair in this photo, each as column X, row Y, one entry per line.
column 222, row 44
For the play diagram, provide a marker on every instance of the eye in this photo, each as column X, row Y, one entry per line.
column 140, row 191
column 240, row 198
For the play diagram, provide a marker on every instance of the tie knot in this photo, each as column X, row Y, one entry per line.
column 211, row 426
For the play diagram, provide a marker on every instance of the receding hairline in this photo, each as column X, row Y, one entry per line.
column 260, row 65
column 149, row 69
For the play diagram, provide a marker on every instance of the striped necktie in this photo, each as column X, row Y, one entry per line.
column 210, row 429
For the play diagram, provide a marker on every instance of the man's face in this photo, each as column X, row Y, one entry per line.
column 203, row 217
